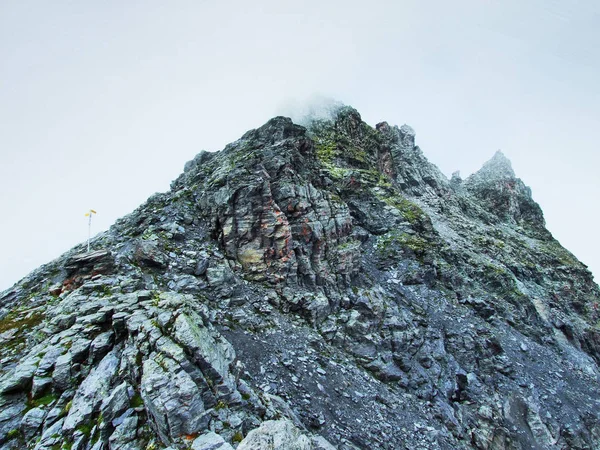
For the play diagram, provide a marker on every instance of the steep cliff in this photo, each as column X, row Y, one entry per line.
column 310, row 287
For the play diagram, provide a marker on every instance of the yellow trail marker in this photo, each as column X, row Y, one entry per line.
column 89, row 214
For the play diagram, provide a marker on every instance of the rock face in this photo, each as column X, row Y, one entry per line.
column 310, row 287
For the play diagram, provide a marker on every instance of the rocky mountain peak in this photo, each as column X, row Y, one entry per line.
column 504, row 195
column 497, row 168
column 309, row 287
column 276, row 129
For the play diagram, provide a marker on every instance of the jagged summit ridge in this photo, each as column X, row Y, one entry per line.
column 320, row 286
column 499, row 190
column 497, row 168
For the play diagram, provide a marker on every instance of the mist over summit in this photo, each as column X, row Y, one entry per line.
column 316, row 284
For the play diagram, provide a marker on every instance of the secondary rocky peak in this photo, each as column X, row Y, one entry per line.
column 294, row 286
column 499, row 167
column 504, row 196
column 407, row 136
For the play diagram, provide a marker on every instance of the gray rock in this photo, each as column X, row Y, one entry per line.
column 96, row 318
column 10, row 419
column 40, row 385
column 91, row 392
column 187, row 284
column 172, row 399
column 32, row 422
column 124, row 434
column 219, row 275
column 276, row 435
column 48, row 360
column 116, row 403
column 21, row 377
column 63, row 321
column 315, row 307
column 365, row 295
column 174, row 230
column 119, row 420
column 201, row 267
column 99, row 445
column 57, row 412
column 210, row 441
column 51, row 437
column 147, row 253
column 79, row 442
column 79, row 349
column 61, row 377
column 88, row 262
column 320, row 443
column 101, row 345
column 212, row 353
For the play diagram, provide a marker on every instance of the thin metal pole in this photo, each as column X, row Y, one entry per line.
column 89, row 231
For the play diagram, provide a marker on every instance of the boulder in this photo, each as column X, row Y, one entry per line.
column 92, row 392
column 116, row 403
column 146, row 253
column 280, row 435
column 210, row 441
column 172, row 399
column 32, row 422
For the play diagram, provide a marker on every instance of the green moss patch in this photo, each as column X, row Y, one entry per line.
column 409, row 210
column 393, row 244
column 21, row 320
column 42, row 401
column 136, row 401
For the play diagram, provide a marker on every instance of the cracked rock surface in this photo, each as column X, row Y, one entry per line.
column 310, row 287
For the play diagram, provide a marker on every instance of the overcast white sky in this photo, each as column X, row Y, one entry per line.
column 102, row 103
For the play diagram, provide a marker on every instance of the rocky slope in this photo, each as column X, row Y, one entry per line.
column 310, row 288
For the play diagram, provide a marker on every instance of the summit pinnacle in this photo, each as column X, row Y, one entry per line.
column 499, row 167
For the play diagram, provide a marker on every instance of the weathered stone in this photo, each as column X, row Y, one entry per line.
column 80, row 349
column 116, row 403
column 219, row 275
column 101, row 345
column 210, row 441
column 147, row 253
column 211, row 352
column 201, row 267
column 174, row 230
column 51, row 436
column 124, row 434
column 32, row 422
column 334, row 247
column 20, row 378
column 320, row 443
column 63, row 321
column 53, row 415
column 40, row 385
column 277, row 435
column 10, row 419
column 96, row 318
column 187, row 284
column 48, row 360
column 61, row 377
column 172, row 399
column 128, row 413
column 91, row 392
column 87, row 259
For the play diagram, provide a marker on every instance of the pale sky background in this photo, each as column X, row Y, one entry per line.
column 102, row 103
